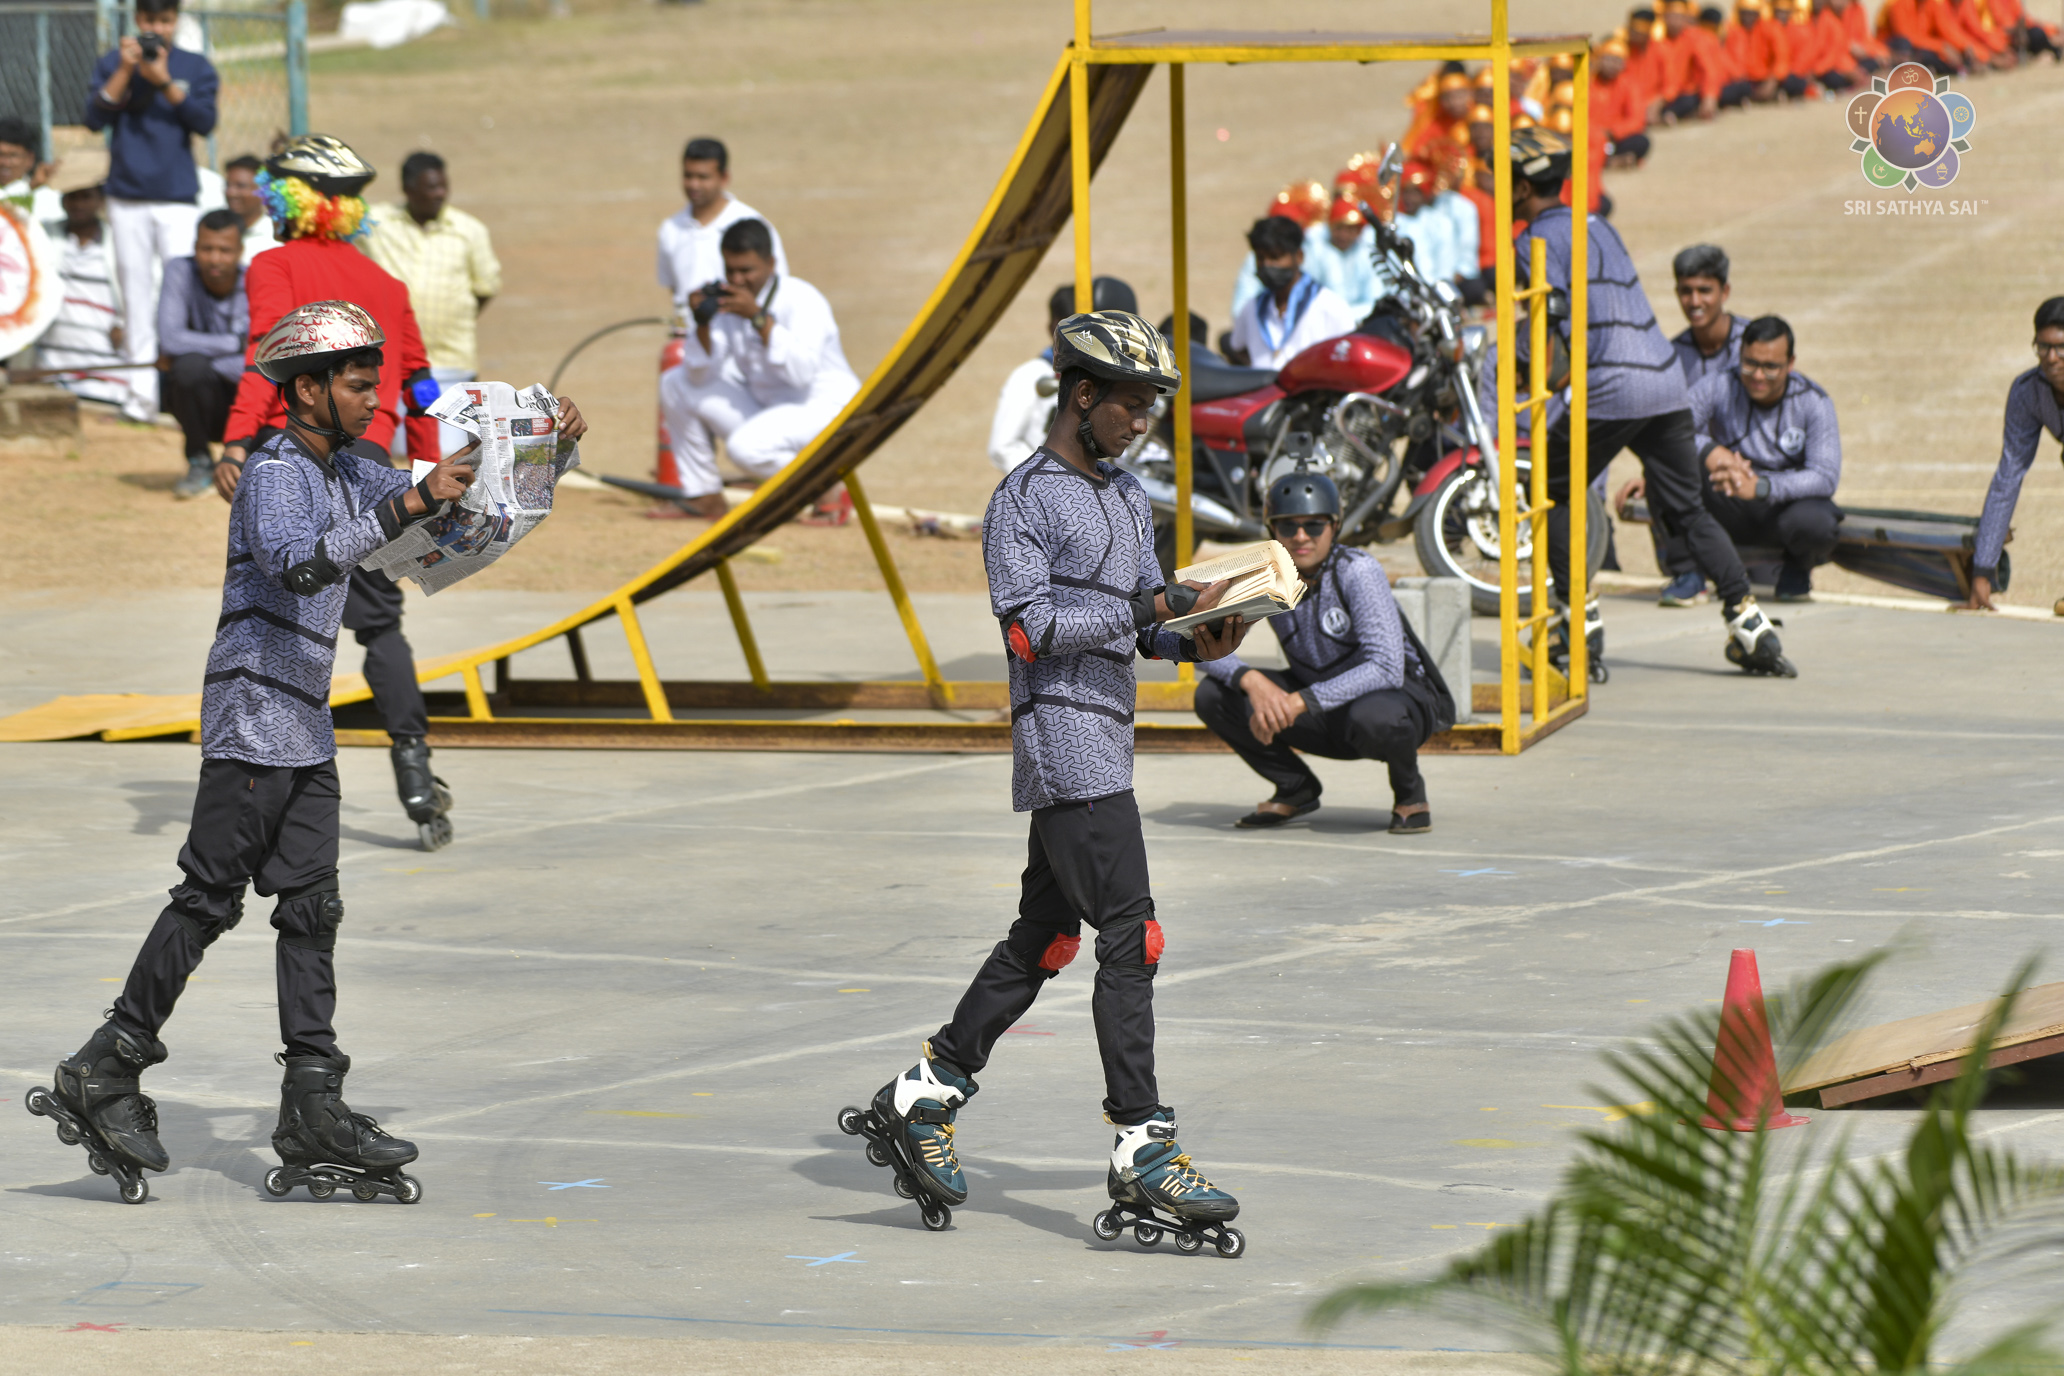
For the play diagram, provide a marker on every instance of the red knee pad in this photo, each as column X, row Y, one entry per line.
column 1154, row 942
column 1059, row 952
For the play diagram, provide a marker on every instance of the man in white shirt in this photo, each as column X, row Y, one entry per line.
column 763, row 369
column 1341, row 253
column 1024, row 413
column 690, row 256
column 1293, row 311
column 1432, row 232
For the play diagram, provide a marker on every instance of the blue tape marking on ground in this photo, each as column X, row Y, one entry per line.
column 1773, row 922
column 1466, row 874
column 966, row 1333
column 593, row 1183
column 846, row 1257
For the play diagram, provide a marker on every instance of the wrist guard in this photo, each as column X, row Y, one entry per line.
column 313, row 574
column 394, row 515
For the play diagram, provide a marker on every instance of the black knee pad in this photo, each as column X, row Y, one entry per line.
column 1132, row 941
column 1041, row 949
column 206, row 913
column 308, row 917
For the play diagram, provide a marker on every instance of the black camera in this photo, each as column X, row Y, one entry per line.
column 712, row 301
column 152, row 45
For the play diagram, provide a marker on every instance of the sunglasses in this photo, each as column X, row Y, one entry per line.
column 1286, row 528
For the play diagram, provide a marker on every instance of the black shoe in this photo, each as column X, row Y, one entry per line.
column 1410, row 823
column 1794, row 584
column 1258, row 820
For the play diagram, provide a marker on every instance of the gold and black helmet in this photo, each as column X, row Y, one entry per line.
column 1541, row 155
column 328, row 164
column 1116, row 346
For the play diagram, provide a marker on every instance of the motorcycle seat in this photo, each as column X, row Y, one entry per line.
column 1209, row 383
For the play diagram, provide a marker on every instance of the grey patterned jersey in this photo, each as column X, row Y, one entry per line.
column 266, row 697
column 1343, row 640
column 1795, row 443
column 1633, row 372
column 2031, row 409
column 1066, row 553
column 1696, row 366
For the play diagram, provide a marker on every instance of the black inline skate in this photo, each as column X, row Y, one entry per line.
column 1594, row 642
column 1752, row 644
column 909, row 1128
column 322, row 1144
column 1155, row 1189
column 99, row 1104
column 423, row 795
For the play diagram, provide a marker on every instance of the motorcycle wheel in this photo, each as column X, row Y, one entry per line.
column 1456, row 535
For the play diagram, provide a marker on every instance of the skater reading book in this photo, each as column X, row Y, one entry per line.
column 265, row 816
column 1261, row 581
column 1068, row 543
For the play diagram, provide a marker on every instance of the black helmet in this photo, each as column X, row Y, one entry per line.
column 1105, row 294
column 1303, row 493
column 1541, row 155
column 1116, row 346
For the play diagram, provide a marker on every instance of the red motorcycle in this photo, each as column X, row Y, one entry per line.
column 1391, row 407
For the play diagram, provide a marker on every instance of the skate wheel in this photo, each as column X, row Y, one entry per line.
column 408, row 1189
column 276, row 1183
column 1146, row 1234
column 1231, row 1242
column 434, row 835
column 37, row 1101
column 849, row 1120
column 1107, row 1225
column 903, row 1188
column 67, row 1134
column 1599, row 673
column 321, row 1189
column 937, row 1217
column 877, row 1153
column 135, row 1191
column 364, row 1194
column 1189, row 1244
column 95, row 1164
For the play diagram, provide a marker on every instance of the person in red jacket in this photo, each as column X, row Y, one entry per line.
column 1926, row 31
column 311, row 188
column 1865, row 46
column 1645, row 62
column 1993, row 40
column 1619, row 105
column 1836, row 60
column 2031, row 36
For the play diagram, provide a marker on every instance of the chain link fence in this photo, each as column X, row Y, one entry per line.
column 47, row 52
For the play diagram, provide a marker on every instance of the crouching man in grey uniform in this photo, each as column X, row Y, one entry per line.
column 1068, row 541
column 1360, row 685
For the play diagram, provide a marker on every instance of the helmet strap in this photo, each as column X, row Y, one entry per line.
column 1085, row 433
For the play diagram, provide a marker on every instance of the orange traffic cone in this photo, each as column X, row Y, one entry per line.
column 1743, row 1095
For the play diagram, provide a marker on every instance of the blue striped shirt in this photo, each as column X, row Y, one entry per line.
column 2031, row 409
column 1795, row 442
column 1632, row 370
column 1343, row 640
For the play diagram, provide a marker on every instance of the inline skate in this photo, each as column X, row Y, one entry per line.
column 98, row 1102
column 1156, row 1189
column 909, row 1128
column 322, row 1144
column 423, row 795
column 1752, row 643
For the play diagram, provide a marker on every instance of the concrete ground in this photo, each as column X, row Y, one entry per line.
column 620, row 1013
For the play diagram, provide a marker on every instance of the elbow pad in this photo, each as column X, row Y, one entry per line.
column 313, row 574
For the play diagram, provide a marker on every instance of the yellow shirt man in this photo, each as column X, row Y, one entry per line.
column 444, row 258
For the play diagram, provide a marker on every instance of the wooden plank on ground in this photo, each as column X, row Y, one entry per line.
column 1929, row 1048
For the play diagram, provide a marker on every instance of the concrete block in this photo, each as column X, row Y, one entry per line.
column 37, row 409
column 1439, row 611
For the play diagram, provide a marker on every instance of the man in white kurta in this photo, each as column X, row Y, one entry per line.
column 767, row 373
column 1294, row 311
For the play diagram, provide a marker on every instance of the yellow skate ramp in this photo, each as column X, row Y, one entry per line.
column 1029, row 209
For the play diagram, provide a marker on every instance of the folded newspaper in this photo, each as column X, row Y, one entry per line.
column 520, row 461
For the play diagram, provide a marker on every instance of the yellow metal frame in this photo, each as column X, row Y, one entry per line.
column 1103, row 78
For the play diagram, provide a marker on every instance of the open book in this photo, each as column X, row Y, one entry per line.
column 1264, row 583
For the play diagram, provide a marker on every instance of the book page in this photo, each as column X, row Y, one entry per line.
column 1230, row 564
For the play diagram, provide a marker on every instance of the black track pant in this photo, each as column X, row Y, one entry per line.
column 1086, row 863
column 1388, row 725
column 198, row 398
column 1668, row 450
column 1804, row 529
column 275, row 829
column 372, row 610
column 1635, row 146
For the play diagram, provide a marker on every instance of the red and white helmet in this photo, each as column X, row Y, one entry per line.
column 316, row 338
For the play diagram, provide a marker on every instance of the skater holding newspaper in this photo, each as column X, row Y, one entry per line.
column 307, row 510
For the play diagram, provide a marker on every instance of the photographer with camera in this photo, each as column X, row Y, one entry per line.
column 154, row 100
column 763, row 368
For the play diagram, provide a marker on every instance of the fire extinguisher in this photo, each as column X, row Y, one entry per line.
column 664, row 470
